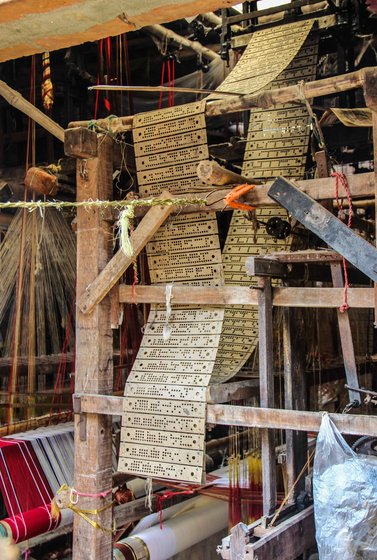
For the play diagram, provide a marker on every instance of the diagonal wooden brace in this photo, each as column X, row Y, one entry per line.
column 326, row 226
column 109, row 276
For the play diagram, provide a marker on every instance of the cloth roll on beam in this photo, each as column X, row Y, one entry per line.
column 184, row 525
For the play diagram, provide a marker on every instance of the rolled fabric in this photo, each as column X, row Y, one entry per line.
column 185, row 525
column 30, row 524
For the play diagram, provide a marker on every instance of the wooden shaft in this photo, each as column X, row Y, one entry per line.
column 212, row 173
column 15, row 99
column 167, row 34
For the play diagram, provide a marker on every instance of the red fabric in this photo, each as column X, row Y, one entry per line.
column 31, row 523
column 22, row 482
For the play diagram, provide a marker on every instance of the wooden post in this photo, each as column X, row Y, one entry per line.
column 94, row 356
column 294, row 394
column 370, row 94
column 266, row 380
column 345, row 332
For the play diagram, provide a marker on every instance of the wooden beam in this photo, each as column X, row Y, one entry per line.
column 263, row 99
column 94, row 357
column 99, row 288
column 370, row 94
column 306, row 256
column 344, row 325
column 266, row 389
column 15, row 99
column 326, row 226
column 265, row 266
column 247, row 416
column 252, row 417
column 80, row 143
column 361, row 186
column 295, row 93
column 362, row 298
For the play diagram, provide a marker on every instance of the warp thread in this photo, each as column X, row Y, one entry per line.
column 148, row 494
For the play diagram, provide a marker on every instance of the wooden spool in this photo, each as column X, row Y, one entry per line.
column 41, row 181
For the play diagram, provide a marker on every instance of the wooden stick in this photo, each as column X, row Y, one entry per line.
column 165, row 34
column 15, row 99
column 97, row 290
column 241, row 295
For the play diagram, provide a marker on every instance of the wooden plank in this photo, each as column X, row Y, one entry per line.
column 294, row 396
column 266, row 387
column 326, row 226
column 305, row 256
column 99, row 288
column 94, row 357
column 252, row 417
column 361, row 186
column 248, row 416
column 241, row 295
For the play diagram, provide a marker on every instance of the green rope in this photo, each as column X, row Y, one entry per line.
column 120, row 204
column 126, row 215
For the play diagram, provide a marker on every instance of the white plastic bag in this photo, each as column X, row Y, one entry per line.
column 345, row 498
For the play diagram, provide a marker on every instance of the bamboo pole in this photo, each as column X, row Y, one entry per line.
column 265, row 99
column 165, row 34
column 15, row 99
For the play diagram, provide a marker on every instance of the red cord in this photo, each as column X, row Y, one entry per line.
column 341, row 178
column 162, row 83
column 161, row 498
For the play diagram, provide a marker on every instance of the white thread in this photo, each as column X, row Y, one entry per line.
column 148, row 494
column 167, row 329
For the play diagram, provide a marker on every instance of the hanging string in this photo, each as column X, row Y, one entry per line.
column 340, row 179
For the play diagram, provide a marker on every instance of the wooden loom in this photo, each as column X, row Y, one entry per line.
column 203, row 296
column 92, row 407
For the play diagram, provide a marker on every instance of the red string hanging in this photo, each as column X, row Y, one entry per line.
column 168, row 495
column 340, row 179
column 106, row 100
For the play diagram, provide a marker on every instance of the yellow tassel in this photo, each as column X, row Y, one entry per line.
column 55, row 511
